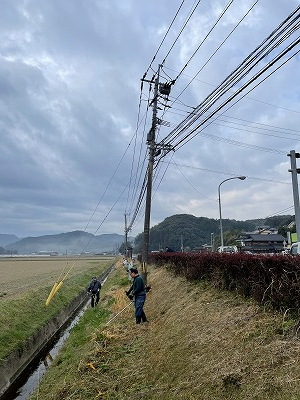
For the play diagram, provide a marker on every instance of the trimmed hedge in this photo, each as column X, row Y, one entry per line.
column 269, row 279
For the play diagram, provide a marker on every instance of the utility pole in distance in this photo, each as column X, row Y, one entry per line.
column 294, row 170
column 151, row 147
column 126, row 238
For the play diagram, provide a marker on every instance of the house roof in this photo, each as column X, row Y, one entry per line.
column 256, row 237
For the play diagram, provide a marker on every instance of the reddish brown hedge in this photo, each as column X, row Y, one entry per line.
column 269, row 279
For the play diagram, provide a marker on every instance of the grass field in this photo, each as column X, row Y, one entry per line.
column 19, row 275
column 25, row 284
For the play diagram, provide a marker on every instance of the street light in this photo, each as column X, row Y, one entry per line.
column 221, row 227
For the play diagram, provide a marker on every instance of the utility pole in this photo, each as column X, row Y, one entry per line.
column 151, row 147
column 294, row 170
column 126, row 238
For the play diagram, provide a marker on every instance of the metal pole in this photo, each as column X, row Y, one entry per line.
column 294, row 172
column 118, row 313
column 220, row 214
column 126, row 239
column 151, row 145
column 219, row 199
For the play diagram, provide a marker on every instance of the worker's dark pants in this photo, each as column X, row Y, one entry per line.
column 95, row 299
column 139, row 302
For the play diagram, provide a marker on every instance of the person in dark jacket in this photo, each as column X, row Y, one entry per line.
column 94, row 289
column 139, row 294
column 169, row 250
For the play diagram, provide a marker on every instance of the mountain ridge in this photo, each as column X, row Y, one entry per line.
column 74, row 242
column 175, row 231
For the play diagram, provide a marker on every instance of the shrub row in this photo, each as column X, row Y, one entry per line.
column 269, row 279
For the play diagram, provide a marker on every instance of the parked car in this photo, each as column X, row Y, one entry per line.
column 295, row 248
column 227, row 249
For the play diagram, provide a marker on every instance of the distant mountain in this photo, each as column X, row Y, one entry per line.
column 194, row 232
column 7, row 239
column 68, row 243
column 174, row 231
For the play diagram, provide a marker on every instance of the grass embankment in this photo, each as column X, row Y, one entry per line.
column 24, row 313
column 200, row 344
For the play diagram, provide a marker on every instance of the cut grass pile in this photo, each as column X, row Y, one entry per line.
column 24, row 312
column 200, row 344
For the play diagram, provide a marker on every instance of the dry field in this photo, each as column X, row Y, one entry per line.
column 20, row 274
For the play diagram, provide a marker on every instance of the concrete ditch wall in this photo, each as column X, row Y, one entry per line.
column 16, row 363
column 19, row 360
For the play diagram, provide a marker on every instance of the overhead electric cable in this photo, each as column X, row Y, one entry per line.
column 217, row 49
column 225, row 173
column 231, row 80
column 251, row 130
column 57, row 285
column 280, row 212
column 139, row 201
column 215, row 86
column 166, row 34
column 206, row 36
column 201, row 194
column 189, row 136
column 139, row 167
column 181, row 30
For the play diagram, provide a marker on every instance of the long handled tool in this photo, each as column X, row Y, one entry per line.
column 118, row 313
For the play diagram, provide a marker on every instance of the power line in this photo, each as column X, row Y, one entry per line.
column 201, row 194
column 166, row 34
column 225, row 173
column 262, row 51
column 185, row 131
column 215, row 86
column 217, row 49
column 181, row 30
column 206, row 36
column 194, row 131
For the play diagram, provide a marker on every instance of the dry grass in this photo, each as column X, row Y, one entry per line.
column 200, row 344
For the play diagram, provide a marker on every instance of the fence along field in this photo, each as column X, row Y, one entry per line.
column 19, row 275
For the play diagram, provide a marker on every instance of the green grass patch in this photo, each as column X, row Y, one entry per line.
column 23, row 315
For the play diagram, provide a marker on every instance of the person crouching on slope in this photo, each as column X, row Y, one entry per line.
column 94, row 290
column 139, row 293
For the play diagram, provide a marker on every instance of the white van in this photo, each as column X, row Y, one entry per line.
column 227, row 249
column 295, row 248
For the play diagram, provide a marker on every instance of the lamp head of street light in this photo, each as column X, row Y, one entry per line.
column 242, row 177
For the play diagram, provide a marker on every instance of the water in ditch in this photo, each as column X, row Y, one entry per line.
column 29, row 380
column 26, row 384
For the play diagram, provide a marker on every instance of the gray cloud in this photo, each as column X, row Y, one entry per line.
column 69, row 94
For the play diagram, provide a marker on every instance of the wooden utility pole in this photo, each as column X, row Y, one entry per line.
column 151, row 148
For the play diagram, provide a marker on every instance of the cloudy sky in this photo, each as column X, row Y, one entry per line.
column 74, row 118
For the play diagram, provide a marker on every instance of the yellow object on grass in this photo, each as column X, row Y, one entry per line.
column 55, row 288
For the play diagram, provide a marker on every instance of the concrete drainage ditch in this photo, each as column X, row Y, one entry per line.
column 21, row 371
